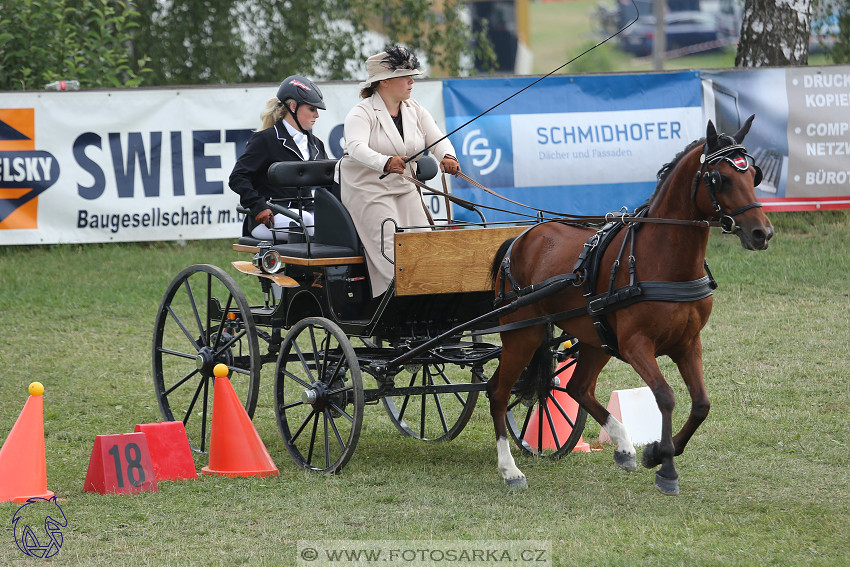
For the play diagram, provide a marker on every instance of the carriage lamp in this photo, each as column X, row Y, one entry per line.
column 267, row 259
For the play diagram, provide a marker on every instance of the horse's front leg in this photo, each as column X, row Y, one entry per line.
column 690, row 367
column 662, row 451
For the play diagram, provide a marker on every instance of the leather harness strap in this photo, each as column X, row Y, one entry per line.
column 586, row 271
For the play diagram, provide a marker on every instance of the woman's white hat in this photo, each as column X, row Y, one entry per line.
column 396, row 62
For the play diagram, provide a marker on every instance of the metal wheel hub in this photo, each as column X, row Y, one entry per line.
column 316, row 395
column 320, row 396
column 205, row 361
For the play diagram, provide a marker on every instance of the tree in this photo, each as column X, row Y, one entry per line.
column 437, row 29
column 774, row 32
column 111, row 43
column 190, row 41
column 233, row 41
column 46, row 40
column 840, row 52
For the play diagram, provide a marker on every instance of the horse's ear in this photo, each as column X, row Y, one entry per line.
column 739, row 135
column 711, row 135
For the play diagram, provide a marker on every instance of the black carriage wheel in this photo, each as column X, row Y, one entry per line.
column 318, row 395
column 545, row 421
column 203, row 320
column 434, row 416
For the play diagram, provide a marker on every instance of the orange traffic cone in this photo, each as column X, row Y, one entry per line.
column 23, row 464
column 235, row 446
column 562, row 426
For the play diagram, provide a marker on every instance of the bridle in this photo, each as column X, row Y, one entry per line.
column 736, row 155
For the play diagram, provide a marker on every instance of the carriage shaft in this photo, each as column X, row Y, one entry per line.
column 528, row 299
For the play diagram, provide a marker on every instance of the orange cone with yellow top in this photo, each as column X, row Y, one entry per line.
column 23, row 464
column 562, row 428
column 235, row 446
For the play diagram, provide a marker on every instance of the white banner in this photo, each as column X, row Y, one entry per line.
column 619, row 147
column 139, row 164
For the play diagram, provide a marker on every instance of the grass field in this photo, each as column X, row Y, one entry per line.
column 764, row 482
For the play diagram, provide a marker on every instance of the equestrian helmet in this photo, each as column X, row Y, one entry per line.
column 302, row 90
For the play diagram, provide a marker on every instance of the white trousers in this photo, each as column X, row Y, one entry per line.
column 263, row 232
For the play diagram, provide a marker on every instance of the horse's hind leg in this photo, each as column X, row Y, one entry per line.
column 517, row 349
column 582, row 388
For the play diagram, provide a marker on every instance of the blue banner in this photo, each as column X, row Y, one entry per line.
column 585, row 144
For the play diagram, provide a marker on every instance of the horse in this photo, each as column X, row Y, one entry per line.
column 709, row 183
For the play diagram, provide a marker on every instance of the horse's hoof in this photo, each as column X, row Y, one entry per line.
column 518, row 483
column 625, row 461
column 668, row 486
column 649, row 458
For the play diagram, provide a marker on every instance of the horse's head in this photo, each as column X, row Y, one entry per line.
column 726, row 184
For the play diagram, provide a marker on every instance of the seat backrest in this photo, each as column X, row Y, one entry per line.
column 316, row 173
column 333, row 222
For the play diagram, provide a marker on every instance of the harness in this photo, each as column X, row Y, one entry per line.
column 586, row 271
column 737, row 156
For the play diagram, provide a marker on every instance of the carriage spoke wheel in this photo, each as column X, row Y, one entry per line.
column 546, row 422
column 430, row 416
column 203, row 320
column 318, row 395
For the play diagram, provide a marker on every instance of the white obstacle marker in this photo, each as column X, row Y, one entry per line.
column 637, row 411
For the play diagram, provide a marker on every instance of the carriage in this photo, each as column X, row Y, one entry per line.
column 422, row 350
column 319, row 328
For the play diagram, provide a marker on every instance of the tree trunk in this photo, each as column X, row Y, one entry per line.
column 774, row 33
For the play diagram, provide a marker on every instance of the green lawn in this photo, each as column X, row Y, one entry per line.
column 764, row 482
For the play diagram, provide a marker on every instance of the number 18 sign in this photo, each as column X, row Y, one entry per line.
column 120, row 464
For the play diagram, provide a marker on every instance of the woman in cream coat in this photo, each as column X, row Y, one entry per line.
column 380, row 132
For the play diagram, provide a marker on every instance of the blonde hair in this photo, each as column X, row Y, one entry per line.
column 271, row 113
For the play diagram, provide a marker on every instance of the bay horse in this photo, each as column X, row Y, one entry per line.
column 710, row 183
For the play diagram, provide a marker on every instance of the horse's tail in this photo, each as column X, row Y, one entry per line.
column 537, row 373
column 497, row 261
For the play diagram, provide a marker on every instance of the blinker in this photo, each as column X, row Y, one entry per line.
column 742, row 163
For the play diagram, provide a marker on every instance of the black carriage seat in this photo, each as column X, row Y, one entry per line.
column 335, row 235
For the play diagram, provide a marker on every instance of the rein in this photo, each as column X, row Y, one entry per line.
column 735, row 154
column 621, row 216
column 586, row 271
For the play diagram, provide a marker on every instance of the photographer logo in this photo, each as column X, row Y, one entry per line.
column 38, row 527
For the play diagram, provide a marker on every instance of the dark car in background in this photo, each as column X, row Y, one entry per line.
column 684, row 29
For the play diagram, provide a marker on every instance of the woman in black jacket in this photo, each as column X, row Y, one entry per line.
column 286, row 135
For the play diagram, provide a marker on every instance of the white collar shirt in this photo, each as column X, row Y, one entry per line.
column 300, row 139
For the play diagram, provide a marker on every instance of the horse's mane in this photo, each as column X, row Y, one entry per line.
column 670, row 166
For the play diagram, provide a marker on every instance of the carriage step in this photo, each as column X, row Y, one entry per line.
column 252, row 270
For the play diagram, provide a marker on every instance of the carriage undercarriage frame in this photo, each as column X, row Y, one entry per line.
column 335, row 350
